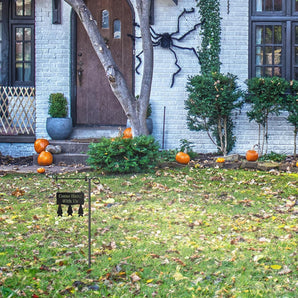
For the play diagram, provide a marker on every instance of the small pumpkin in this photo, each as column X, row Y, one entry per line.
column 182, row 158
column 297, row 164
column 41, row 170
column 127, row 133
column 40, row 145
column 252, row 155
column 220, row 160
column 45, row 158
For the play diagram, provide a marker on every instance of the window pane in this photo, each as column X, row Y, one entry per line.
column 0, row 31
column 296, row 34
column 259, row 5
column 278, row 5
column 277, row 71
column 277, row 55
column 259, row 72
column 268, row 5
column 259, row 35
column 27, row 72
column 259, row 56
column 296, row 55
column 105, row 19
column 19, row 71
column 28, row 34
column 277, row 35
column 268, row 55
column 19, row 34
column 19, row 7
column 296, row 5
column 1, row 11
column 268, row 71
column 27, row 51
column 28, row 8
column 19, row 51
column 117, row 29
column 268, row 34
column 296, row 73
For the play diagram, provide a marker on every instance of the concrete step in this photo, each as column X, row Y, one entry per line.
column 66, row 158
column 73, row 146
column 96, row 132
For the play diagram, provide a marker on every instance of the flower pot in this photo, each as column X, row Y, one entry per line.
column 148, row 122
column 59, row 128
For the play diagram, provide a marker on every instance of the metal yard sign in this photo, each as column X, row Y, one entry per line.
column 70, row 198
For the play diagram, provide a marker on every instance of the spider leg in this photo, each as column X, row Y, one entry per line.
column 181, row 14
column 185, row 48
column 140, row 62
column 191, row 30
column 153, row 34
column 176, row 63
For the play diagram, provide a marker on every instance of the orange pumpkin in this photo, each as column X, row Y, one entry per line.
column 127, row 133
column 40, row 145
column 297, row 164
column 45, row 158
column 252, row 155
column 220, row 160
column 41, row 170
column 183, row 158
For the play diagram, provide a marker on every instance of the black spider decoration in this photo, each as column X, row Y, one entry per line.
column 166, row 41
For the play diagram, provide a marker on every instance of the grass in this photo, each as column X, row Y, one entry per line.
column 173, row 233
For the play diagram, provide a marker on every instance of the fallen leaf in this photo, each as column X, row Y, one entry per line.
column 134, row 277
column 275, row 267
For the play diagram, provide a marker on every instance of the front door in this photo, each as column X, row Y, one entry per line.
column 96, row 103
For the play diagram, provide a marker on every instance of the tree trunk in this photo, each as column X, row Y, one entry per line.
column 135, row 109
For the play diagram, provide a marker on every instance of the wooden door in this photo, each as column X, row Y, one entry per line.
column 96, row 103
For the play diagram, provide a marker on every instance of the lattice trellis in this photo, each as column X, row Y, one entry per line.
column 17, row 110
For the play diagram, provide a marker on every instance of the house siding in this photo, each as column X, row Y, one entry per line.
column 53, row 74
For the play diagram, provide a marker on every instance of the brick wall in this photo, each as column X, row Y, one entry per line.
column 52, row 47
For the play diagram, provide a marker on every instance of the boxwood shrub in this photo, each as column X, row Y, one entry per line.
column 120, row 155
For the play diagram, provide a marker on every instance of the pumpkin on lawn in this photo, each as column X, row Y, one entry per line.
column 252, row 155
column 182, row 158
column 45, row 158
column 127, row 133
column 40, row 145
column 41, row 170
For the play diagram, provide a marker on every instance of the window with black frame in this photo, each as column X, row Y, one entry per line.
column 17, row 42
column 274, row 38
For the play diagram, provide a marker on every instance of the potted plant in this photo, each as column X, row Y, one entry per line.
column 59, row 126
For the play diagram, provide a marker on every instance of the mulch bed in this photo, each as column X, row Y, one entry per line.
column 19, row 161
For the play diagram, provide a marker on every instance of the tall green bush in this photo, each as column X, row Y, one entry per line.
column 266, row 97
column 212, row 98
column 291, row 106
column 124, row 155
column 58, row 105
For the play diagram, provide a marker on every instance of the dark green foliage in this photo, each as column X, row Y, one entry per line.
column 124, row 155
column 57, row 105
column 186, row 146
column 210, row 32
column 291, row 106
column 273, row 157
column 212, row 98
column 266, row 96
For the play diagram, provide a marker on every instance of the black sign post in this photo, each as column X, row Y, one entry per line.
column 76, row 198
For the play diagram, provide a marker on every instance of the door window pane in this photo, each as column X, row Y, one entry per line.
column 117, row 29
column 23, row 8
column 1, row 11
column 268, row 5
column 296, row 5
column 105, row 19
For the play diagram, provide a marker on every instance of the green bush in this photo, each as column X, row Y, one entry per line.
column 212, row 99
column 124, row 155
column 57, row 105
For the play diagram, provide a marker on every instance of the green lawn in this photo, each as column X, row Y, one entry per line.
column 172, row 233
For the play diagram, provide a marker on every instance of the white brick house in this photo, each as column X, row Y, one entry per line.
column 54, row 63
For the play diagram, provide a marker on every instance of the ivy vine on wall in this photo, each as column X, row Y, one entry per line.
column 210, row 32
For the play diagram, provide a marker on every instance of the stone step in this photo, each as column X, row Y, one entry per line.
column 73, row 146
column 96, row 132
column 66, row 158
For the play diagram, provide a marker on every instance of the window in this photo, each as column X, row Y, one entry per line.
column 105, row 19
column 17, row 42
column 117, row 29
column 274, row 38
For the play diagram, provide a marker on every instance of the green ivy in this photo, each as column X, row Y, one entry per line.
column 211, row 34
